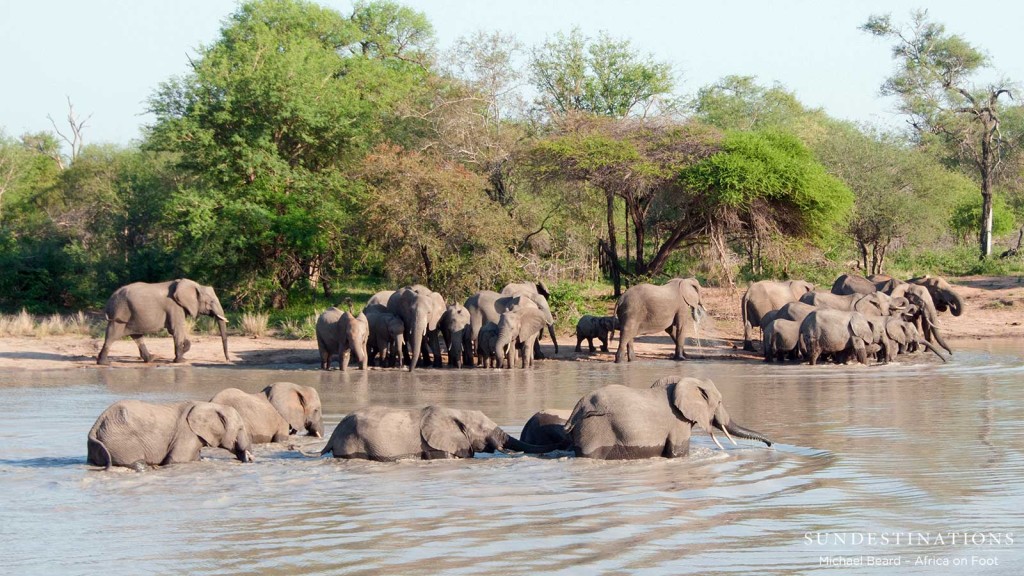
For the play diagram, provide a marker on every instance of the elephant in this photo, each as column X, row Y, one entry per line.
column 943, row 295
column 874, row 304
column 380, row 299
column 341, row 333
column 764, row 296
column 537, row 293
column 906, row 338
column 619, row 423
column 835, row 332
column 781, row 339
column 547, row 427
column 589, row 327
column 880, row 344
column 141, row 308
column 388, row 434
column 519, row 328
column 135, row 434
column 420, row 309
column 488, row 306
column 458, row 337
column 299, row 405
column 263, row 422
column 924, row 312
column 387, row 337
column 795, row 311
column 647, row 309
column 486, row 346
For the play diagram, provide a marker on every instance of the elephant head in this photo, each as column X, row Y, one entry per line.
column 455, row 328
column 907, row 337
column 942, row 294
column 923, row 308
column 197, row 300
column 299, row 405
column 538, row 293
column 464, row 432
column 421, row 310
column 799, row 288
column 700, row 403
column 221, row 427
column 519, row 325
column 353, row 333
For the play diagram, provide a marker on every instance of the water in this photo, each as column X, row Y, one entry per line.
column 909, row 451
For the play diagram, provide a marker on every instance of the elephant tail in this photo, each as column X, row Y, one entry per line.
column 96, row 448
column 326, row 450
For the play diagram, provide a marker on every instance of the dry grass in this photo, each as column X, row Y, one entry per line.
column 255, row 325
column 25, row 324
column 21, row 324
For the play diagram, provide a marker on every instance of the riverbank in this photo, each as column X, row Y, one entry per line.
column 994, row 308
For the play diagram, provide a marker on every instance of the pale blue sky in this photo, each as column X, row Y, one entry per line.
column 109, row 55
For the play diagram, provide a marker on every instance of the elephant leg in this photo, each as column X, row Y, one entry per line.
column 679, row 354
column 536, row 350
column 590, row 344
column 579, row 342
column 181, row 345
column 143, row 351
column 604, row 342
column 625, row 350
column 114, row 332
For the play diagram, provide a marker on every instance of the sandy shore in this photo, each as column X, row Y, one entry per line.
column 994, row 308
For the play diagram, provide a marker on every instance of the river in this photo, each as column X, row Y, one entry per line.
column 916, row 463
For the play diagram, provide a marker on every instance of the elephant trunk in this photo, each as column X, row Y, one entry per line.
column 929, row 346
column 222, row 323
column 938, row 338
column 551, row 330
column 956, row 304
column 505, row 342
column 506, row 442
column 740, row 432
column 415, row 342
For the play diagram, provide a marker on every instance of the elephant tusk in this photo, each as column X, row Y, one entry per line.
column 729, row 436
column 221, row 318
column 717, row 443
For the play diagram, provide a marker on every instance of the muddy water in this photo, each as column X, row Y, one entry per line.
column 866, row 459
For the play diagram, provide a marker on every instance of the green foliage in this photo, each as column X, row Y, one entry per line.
column 965, row 221
column 959, row 260
column 601, row 76
column 772, row 175
column 571, row 300
column 738, row 103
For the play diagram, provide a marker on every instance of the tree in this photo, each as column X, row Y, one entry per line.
column 268, row 125
column 602, row 76
column 739, row 103
column 434, row 223
column 901, row 194
column 935, row 89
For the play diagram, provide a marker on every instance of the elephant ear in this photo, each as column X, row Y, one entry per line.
column 689, row 290
column 696, row 400
column 207, row 422
column 860, row 328
column 542, row 289
column 186, row 293
column 442, row 430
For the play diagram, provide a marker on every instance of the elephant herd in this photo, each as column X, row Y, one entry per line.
column 611, row 423
column 413, row 325
column 859, row 318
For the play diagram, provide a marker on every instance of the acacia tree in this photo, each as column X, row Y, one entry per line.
column 935, row 89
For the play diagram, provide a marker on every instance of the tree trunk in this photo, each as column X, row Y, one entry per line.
column 428, row 266
column 612, row 248
column 985, row 239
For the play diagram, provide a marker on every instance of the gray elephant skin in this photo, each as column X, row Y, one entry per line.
column 420, row 309
column 601, row 327
column 835, row 332
column 537, row 293
column 141, row 308
column 340, row 333
column 621, row 423
column 547, row 427
column 781, row 340
column 763, row 297
column 298, row 405
column 487, row 352
column 456, row 329
column 518, row 330
column 387, row 337
column 388, row 434
column 135, row 434
column 650, row 309
column 263, row 422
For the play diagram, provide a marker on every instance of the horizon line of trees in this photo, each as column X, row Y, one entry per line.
column 303, row 146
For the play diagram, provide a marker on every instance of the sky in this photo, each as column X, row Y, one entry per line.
column 109, row 56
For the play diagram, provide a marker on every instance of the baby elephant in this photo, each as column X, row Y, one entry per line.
column 389, row 434
column 261, row 419
column 600, row 327
column 135, row 434
column 298, row 405
column 547, row 427
column 340, row 333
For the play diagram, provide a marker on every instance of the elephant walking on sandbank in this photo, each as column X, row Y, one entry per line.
column 650, row 309
column 141, row 308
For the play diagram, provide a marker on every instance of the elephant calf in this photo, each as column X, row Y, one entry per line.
column 388, row 434
column 298, row 405
column 601, row 327
column 135, row 434
column 547, row 427
column 340, row 333
column 261, row 419
column 486, row 346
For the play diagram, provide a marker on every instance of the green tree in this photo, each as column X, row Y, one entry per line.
column 936, row 91
column 739, row 103
column 605, row 76
column 268, row 124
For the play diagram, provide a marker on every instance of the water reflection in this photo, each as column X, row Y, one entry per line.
column 910, row 447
